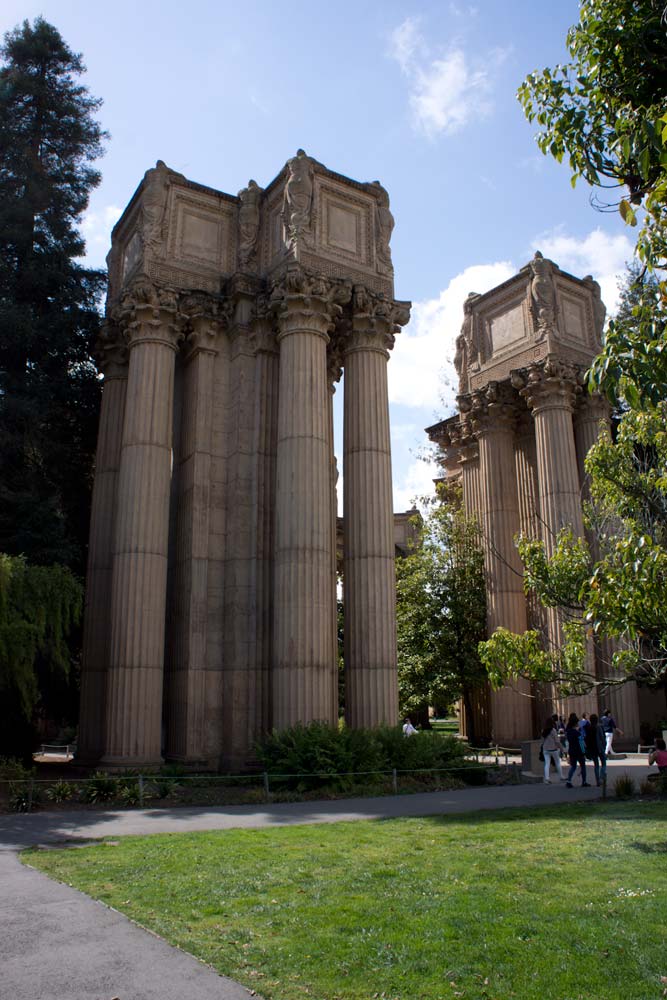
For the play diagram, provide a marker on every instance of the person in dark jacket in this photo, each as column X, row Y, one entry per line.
column 576, row 750
column 595, row 748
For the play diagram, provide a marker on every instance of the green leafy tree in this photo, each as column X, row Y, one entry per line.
column 606, row 110
column 49, row 391
column 617, row 593
column 39, row 607
column 441, row 614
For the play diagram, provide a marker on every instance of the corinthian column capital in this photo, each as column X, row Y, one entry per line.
column 303, row 301
column 492, row 410
column 203, row 319
column 374, row 322
column 593, row 408
column 111, row 350
column 149, row 314
column 549, row 385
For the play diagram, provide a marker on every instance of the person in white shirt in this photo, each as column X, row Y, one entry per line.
column 408, row 728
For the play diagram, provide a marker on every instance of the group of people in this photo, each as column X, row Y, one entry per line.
column 584, row 739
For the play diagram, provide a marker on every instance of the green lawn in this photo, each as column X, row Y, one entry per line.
column 562, row 903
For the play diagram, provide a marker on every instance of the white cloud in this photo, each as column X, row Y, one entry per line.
column 421, row 371
column 447, row 94
column 96, row 228
column 600, row 254
column 446, row 90
column 406, row 43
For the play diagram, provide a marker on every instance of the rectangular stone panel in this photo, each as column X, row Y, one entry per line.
column 507, row 327
column 201, row 231
column 344, row 223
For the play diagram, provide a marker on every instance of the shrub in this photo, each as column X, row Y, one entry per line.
column 128, row 793
column 317, row 755
column 99, row 788
column 625, row 787
column 12, row 769
column 23, row 797
column 322, row 755
column 164, row 787
column 62, row 791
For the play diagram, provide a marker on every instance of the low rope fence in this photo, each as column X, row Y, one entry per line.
column 22, row 793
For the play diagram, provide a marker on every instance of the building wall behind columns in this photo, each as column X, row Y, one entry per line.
column 265, row 433
column 186, row 659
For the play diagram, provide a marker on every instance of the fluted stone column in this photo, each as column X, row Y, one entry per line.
column 591, row 415
column 303, row 655
column 186, row 697
column 371, row 684
column 551, row 392
column 472, row 487
column 494, row 420
column 139, row 581
column 96, row 633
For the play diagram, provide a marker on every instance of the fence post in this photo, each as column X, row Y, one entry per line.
column 31, row 787
column 267, row 792
column 141, row 790
column 394, row 780
column 604, row 785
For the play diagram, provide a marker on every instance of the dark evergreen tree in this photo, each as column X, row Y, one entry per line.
column 49, row 390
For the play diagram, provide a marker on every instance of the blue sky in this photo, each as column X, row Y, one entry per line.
column 418, row 95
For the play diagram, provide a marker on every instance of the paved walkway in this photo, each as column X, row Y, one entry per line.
column 57, row 944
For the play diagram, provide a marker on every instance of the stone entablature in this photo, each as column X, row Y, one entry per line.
column 190, row 236
column 211, row 596
column 524, row 425
column 540, row 313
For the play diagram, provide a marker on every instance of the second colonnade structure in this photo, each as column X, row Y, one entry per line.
column 524, row 425
column 211, row 595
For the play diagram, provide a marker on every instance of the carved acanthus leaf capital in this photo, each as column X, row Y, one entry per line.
column 492, row 410
column 203, row 317
column 111, row 351
column 549, row 384
column 149, row 312
column 303, row 301
column 593, row 407
column 374, row 321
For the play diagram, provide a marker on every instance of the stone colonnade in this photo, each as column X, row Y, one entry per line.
column 520, row 446
column 211, row 611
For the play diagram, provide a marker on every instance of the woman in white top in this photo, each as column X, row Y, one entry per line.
column 551, row 750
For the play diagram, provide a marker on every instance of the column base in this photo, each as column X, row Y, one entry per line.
column 115, row 763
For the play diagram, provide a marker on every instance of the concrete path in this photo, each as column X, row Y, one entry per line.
column 57, row 944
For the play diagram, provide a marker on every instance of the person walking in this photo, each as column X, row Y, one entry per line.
column 596, row 748
column 610, row 729
column 551, row 750
column 576, row 750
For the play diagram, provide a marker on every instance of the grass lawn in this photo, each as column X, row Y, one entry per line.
column 561, row 903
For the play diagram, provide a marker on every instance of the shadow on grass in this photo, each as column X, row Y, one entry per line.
column 659, row 848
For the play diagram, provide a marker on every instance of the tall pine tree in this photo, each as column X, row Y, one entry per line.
column 49, row 391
